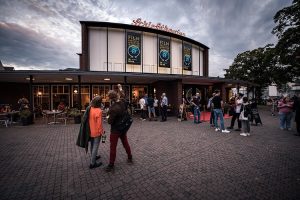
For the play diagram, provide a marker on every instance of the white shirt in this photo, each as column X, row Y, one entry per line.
column 142, row 103
column 238, row 107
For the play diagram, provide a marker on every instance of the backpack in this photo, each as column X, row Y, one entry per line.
column 125, row 122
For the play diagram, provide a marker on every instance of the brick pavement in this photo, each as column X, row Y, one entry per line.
column 172, row 160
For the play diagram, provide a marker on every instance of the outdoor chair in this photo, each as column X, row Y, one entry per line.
column 62, row 116
column 4, row 120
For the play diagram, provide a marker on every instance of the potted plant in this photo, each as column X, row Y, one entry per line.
column 26, row 117
column 76, row 113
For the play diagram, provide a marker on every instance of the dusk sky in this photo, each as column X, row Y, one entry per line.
column 47, row 34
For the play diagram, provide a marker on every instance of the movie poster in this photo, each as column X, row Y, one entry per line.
column 187, row 56
column 133, row 48
column 164, row 52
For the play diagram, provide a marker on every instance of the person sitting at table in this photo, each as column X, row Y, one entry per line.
column 61, row 106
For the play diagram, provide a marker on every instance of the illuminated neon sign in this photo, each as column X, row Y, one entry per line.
column 159, row 26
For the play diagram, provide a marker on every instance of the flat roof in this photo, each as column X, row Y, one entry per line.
column 59, row 77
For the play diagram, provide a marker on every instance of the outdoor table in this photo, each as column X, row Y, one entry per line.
column 9, row 115
column 54, row 113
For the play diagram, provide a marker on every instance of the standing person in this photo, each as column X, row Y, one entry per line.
column 297, row 115
column 114, row 117
column 151, row 109
column 91, row 130
column 285, row 107
column 196, row 107
column 236, row 115
column 155, row 104
column 217, row 105
column 164, row 104
column 246, row 107
column 142, row 103
column 211, row 119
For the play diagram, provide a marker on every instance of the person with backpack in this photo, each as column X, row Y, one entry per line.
column 115, row 118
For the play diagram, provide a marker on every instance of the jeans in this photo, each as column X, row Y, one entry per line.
column 246, row 126
column 285, row 120
column 219, row 113
column 94, row 148
column 114, row 137
column 196, row 114
column 212, row 118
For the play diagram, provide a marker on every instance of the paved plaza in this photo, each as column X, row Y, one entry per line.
column 172, row 160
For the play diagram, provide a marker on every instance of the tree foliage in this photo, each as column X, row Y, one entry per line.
column 279, row 64
column 260, row 66
column 287, row 30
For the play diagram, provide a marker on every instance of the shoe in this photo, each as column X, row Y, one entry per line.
column 95, row 165
column 98, row 157
column 243, row 134
column 230, row 127
column 238, row 129
column 217, row 129
column 212, row 125
column 289, row 129
column 248, row 134
column 129, row 160
column 281, row 128
column 225, row 131
column 199, row 122
column 109, row 167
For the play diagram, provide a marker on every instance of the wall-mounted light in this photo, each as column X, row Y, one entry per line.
column 39, row 93
column 154, row 90
column 68, row 79
column 107, row 79
column 75, row 91
column 28, row 79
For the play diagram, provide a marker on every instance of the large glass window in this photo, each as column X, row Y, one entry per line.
column 138, row 91
column 60, row 93
column 102, row 91
column 41, row 98
column 85, row 96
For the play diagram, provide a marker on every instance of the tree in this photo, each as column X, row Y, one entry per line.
column 288, row 32
column 260, row 66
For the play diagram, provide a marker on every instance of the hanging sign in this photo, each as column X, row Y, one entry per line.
column 133, row 48
column 164, row 52
column 187, row 56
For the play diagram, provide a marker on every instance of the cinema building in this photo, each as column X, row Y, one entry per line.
column 143, row 57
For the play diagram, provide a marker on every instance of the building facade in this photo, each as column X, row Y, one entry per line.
column 144, row 60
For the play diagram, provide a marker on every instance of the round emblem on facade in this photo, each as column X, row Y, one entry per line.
column 133, row 51
column 187, row 60
column 164, row 55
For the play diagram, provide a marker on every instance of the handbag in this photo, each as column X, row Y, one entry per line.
column 242, row 116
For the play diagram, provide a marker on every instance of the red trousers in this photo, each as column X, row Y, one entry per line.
column 113, row 146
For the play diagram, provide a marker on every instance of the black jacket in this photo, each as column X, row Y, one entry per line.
column 84, row 131
column 115, row 115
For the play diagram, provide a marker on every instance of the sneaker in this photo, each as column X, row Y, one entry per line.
column 243, row 134
column 143, row 119
column 129, row 160
column 95, row 165
column 248, row 134
column 109, row 168
column 217, row 129
column 281, row 128
column 225, row 131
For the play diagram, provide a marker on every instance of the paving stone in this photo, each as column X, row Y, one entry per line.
column 172, row 160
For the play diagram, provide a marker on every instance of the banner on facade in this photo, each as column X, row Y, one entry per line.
column 133, row 48
column 187, row 56
column 164, row 52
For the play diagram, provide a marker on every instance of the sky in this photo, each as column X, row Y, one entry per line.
column 46, row 35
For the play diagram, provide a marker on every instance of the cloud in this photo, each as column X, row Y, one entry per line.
column 47, row 34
